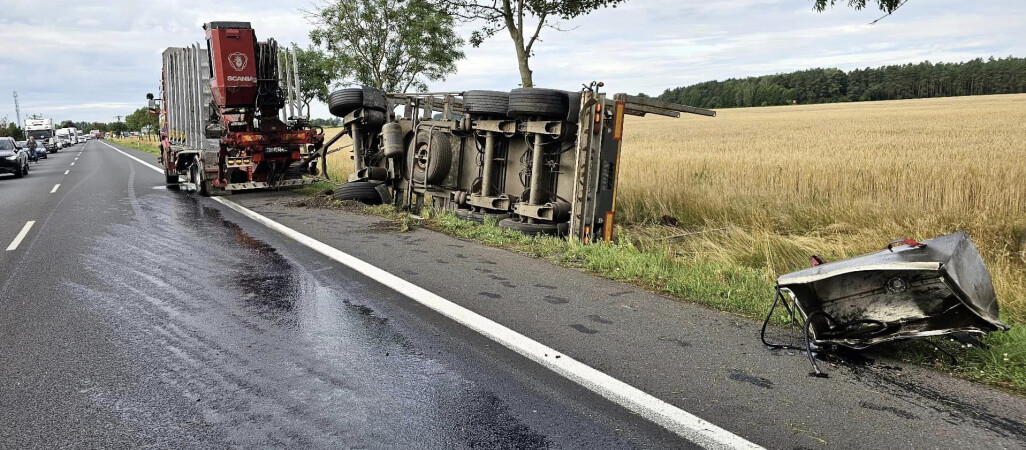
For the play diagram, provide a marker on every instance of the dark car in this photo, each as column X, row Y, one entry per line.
column 13, row 159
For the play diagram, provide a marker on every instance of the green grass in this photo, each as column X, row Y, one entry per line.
column 139, row 144
column 315, row 188
column 719, row 284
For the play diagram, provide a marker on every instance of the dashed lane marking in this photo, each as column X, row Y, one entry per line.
column 55, row 187
column 21, row 236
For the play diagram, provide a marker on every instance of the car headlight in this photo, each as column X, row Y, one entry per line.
column 12, row 158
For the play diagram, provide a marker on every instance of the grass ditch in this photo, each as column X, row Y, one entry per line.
column 712, row 282
column 141, row 144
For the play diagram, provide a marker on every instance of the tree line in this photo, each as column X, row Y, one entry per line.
column 133, row 122
column 894, row 82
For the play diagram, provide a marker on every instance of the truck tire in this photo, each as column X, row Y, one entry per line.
column 374, row 118
column 345, row 101
column 538, row 103
column 361, row 191
column 196, row 175
column 486, row 103
column 532, row 229
column 373, row 98
column 574, row 107
column 440, row 159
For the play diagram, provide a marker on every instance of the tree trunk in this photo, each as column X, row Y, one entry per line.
column 526, row 75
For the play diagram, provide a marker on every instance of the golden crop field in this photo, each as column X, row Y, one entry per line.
column 767, row 187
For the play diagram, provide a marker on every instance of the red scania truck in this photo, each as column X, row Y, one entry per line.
column 221, row 116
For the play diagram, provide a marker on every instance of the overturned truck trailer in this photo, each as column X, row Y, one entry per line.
column 221, row 123
column 540, row 161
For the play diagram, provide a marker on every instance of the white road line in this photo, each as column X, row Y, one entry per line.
column 21, row 236
column 683, row 423
column 73, row 164
column 55, row 187
column 158, row 169
column 66, row 172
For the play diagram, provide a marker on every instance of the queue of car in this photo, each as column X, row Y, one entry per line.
column 16, row 158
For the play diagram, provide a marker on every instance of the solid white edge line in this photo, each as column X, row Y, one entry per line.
column 55, row 187
column 683, row 423
column 158, row 169
column 21, row 236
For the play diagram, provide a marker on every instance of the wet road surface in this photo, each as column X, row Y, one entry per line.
column 133, row 316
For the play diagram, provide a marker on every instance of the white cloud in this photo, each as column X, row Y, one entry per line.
column 99, row 59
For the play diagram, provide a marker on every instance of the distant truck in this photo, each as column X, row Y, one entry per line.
column 96, row 134
column 43, row 132
column 63, row 137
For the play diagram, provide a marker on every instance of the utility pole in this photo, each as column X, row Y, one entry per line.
column 118, row 117
column 17, row 108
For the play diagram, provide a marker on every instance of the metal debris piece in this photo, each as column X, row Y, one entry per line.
column 908, row 290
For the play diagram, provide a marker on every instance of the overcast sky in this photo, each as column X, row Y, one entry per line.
column 91, row 60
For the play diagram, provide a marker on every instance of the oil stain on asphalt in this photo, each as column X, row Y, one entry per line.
column 257, row 351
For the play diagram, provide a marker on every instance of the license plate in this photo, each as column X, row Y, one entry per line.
column 276, row 150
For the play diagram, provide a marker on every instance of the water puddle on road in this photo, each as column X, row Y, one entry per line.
column 266, row 354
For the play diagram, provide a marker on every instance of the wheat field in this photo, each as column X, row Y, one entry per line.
column 767, row 187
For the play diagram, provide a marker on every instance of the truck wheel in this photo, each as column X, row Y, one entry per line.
column 573, row 115
column 532, row 229
column 361, row 191
column 196, row 175
column 374, row 118
column 537, row 102
column 440, row 160
column 486, row 103
column 374, row 99
column 345, row 101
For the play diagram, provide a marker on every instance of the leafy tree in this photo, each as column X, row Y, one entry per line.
column 887, row 6
column 139, row 119
column 393, row 45
column 314, row 76
column 67, row 124
column 11, row 129
column 116, row 127
column 509, row 15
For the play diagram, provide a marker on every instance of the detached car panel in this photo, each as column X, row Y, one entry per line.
column 938, row 287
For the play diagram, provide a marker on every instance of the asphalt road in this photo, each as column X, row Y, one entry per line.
column 132, row 316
